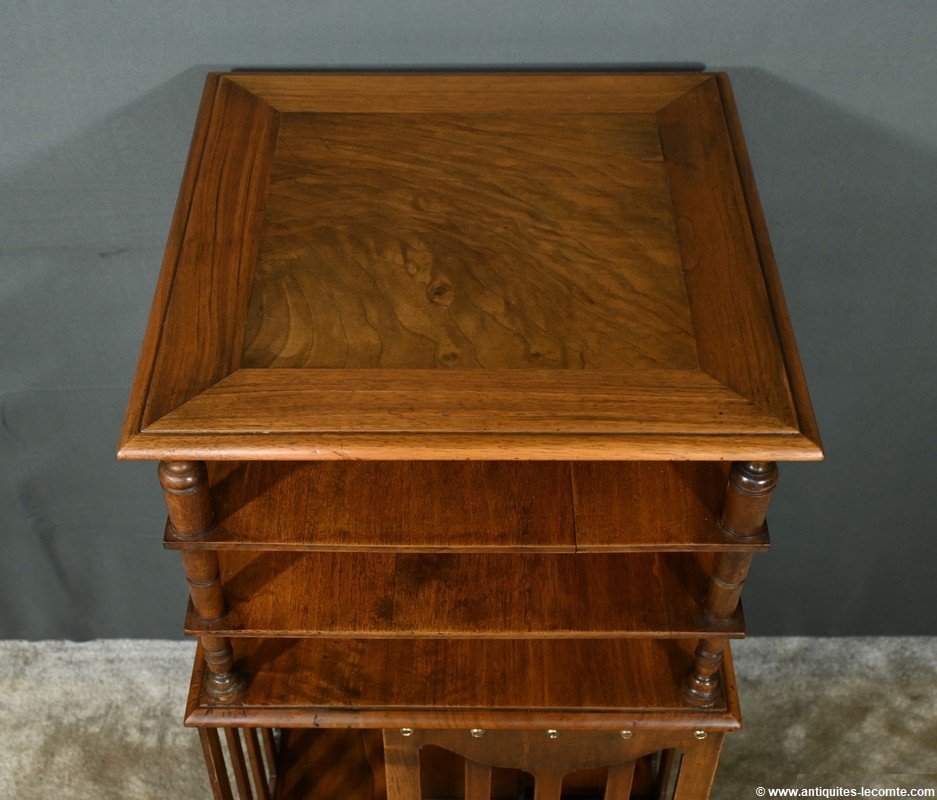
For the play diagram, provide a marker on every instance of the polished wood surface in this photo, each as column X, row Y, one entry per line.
column 468, row 506
column 327, row 765
column 445, row 373
column 465, row 596
column 495, row 683
column 496, row 241
column 490, row 266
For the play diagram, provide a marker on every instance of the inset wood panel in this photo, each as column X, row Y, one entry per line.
column 467, row 595
column 495, row 683
column 459, row 241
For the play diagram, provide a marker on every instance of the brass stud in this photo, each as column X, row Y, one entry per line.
column 406, row 731
column 553, row 734
column 626, row 734
column 700, row 734
column 477, row 732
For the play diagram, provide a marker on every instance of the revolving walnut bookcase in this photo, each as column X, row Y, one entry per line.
column 467, row 392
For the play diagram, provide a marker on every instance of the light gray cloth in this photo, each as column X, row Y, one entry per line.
column 103, row 720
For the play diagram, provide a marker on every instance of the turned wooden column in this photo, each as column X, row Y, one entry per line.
column 750, row 487
column 185, row 490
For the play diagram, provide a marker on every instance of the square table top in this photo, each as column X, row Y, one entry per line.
column 469, row 265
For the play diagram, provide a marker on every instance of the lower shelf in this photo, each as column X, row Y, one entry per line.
column 493, row 683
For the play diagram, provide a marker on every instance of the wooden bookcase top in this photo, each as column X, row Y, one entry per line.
column 468, row 266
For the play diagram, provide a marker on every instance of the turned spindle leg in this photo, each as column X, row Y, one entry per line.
column 748, row 494
column 185, row 489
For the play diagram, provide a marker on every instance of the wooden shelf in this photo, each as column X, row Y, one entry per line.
column 465, row 595
column 440, row 506
column 431, row 683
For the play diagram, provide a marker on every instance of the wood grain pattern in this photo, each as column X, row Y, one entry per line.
column 471, row 402
column 698, row 769
column 324, row 765
column 465, row 595
column 720, row 258
column 133, row 418
column 468, row 506
column 521, row 221
column 458, row 241
column 202, row 329
column 492, row 684
column 660, row 506
column 795, row 374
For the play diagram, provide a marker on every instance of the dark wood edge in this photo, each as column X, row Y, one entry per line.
column 792, row 362
column 493, row 719
column 136, row 406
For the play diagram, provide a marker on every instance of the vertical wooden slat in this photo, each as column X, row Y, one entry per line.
column 257, row 764
column 698, row 769
column 477, row 781
column 241, row 777
column 214, row 763
column 618, row 786
column 270, row 753
column 548, row 784
column 401, row 767
column 665, row 773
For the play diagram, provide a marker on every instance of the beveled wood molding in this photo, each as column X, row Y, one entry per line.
column 707, row 370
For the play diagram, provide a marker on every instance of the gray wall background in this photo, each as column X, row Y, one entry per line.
column 97, row 102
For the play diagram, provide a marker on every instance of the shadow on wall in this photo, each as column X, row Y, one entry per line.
column 850, row 208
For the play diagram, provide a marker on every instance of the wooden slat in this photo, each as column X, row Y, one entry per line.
column 238, row 765
column 380, row 683
column 477, row 781
column 548, row 784
column 258, row 769
column 215, row 764
column 669, row 761
column 402, row 769
column 270, row 755
column 698, row 769
column 515, row 595
column 490, row 91
column 467, row 506
column 620, row 778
